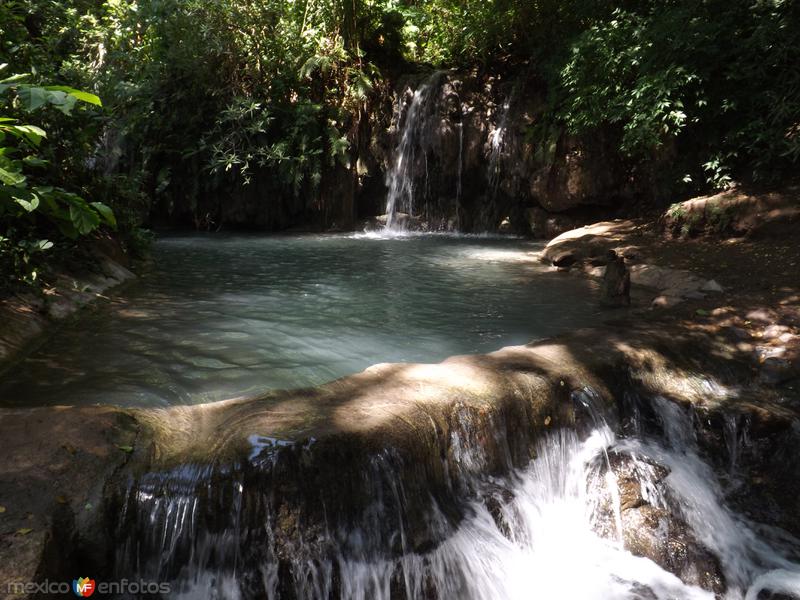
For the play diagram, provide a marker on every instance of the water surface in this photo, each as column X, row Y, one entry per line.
column 225, row 316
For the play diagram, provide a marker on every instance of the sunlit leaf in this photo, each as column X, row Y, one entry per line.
column 12, row 178
column 78, row 94
column 30, row 204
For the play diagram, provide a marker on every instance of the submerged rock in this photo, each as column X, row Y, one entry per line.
column 26, row 316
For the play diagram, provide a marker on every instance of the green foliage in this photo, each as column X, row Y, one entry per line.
column 205, row 97
column 25, row 201
column 605, row 82
column 237, row 90
column 714, row 81
column 721, row 75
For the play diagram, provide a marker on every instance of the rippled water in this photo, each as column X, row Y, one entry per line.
column 224, row 316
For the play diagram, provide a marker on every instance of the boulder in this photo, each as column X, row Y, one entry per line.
column 735, row 212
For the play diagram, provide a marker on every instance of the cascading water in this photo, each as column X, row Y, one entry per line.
column 460, row 173
column 413, row 132
column 497, row 145
column 553, row 529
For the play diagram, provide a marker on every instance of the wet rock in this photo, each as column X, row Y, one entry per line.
column 564, row 259
column 401, row 221
column 546, row 225
column 407, row 434
column 590, row 240
column 652, row 530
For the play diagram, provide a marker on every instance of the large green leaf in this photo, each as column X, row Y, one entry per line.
column 30, row 202
column 106, row 213
column 30, row 133
column 13, row 178
column 9, row 81
column 33, row 97
column 61, row 97
column 35, row 161
column 82, row 96
column 83, row 217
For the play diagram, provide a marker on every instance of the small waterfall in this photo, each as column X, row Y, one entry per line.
column 460, row 172
column 497, row 139
column 556, row 528
column 413, row 133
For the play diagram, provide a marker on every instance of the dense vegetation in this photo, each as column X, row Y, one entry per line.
column 204, row 96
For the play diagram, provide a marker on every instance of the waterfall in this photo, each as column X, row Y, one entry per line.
column 460, row 172
column 413, row 132
column 497, row 145
column 552, row 529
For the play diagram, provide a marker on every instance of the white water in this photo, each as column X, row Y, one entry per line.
column 400, row 176
column 460, row 173
column 497, row 145
column 548, row 536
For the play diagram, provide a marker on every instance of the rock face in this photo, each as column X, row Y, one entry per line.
column 579, row 172
column 395, row 444
column 480, row 156
column 476, row 166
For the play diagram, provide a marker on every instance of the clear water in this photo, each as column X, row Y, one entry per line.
column 226, row 316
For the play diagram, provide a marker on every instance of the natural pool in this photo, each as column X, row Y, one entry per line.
column 221, row 316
